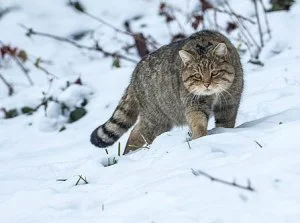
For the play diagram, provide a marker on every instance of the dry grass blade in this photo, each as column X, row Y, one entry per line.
column 8, row 85
column 258, row 144
column 81, row 178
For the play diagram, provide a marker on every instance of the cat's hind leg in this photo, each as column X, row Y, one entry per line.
column 143, row 133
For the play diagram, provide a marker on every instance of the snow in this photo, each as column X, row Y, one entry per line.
column 156, row 184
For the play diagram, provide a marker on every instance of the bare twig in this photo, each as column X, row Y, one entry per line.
column 266, row 19
column 258, row 144
column 119, row 149
column 37, row 64
column 81, row 178
column 216, row 20
column 78, row 181
column 7, row 10
column 118, row 30
column 8, row 85
column 256, row 62
column 233, row 184
column 235, row 14
column 258, row 23
column 187, row 141
column 249, row 34
column 84, row 179
column 243, row 28
column 172, row 10
column 24, row 69
column 96, row 47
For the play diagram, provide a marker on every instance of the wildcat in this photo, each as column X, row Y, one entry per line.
column 178, row 84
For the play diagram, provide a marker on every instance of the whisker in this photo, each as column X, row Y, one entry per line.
column 223, row 90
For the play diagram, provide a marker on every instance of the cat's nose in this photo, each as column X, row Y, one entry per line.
column 206, row 84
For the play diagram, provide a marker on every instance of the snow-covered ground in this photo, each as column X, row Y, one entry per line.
column 155, row 185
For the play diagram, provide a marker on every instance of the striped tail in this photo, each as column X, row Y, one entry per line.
column 124, row 116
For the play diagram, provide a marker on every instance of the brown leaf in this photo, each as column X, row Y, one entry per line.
column 78, row 81
column 22, row 55
column 231, row 26
column 37, row 62
column 205, row 4
column 162, row 6
column 198, row 19
column 8, row 50
column 163, row 12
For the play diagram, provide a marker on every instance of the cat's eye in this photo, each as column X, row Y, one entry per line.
column 215, row 72
column 198, row 75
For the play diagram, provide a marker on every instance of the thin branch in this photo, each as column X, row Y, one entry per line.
column 250, row 35
column 243, row 26
column 119, row 149
column 235, row 14
column 256, row 62
column 24, row 69
column 172, row 10
column 216, row 20
column 187, row 141
column 258, row 23
column 84, row 179
column 266, row 19
column 81, row 178
column 96, row 47
column 233, row 184
column 8, row 85
column 78, row 181
column 118, row 30
column 247, row 45
column 37, row 64
column 7, row 10
column 258, row 144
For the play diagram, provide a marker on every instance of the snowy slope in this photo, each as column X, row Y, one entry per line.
column 155, row 185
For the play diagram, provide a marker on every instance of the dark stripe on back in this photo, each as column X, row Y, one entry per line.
column 109, row 133
column 120, row 123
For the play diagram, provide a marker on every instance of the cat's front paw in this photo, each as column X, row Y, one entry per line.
column 199, row 133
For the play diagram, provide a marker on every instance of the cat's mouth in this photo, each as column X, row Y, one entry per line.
column 204, row 92
column 208, row 91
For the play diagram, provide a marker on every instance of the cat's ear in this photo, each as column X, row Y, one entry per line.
column 220, row 49
column 186, row 57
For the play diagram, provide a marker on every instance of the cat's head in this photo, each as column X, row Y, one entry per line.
column 208, row 72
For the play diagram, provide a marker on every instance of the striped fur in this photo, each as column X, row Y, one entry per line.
column 179, row 84
column 124, row 116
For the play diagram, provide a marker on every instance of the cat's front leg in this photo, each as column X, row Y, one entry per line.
column 197, row 121
column 225, row 115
